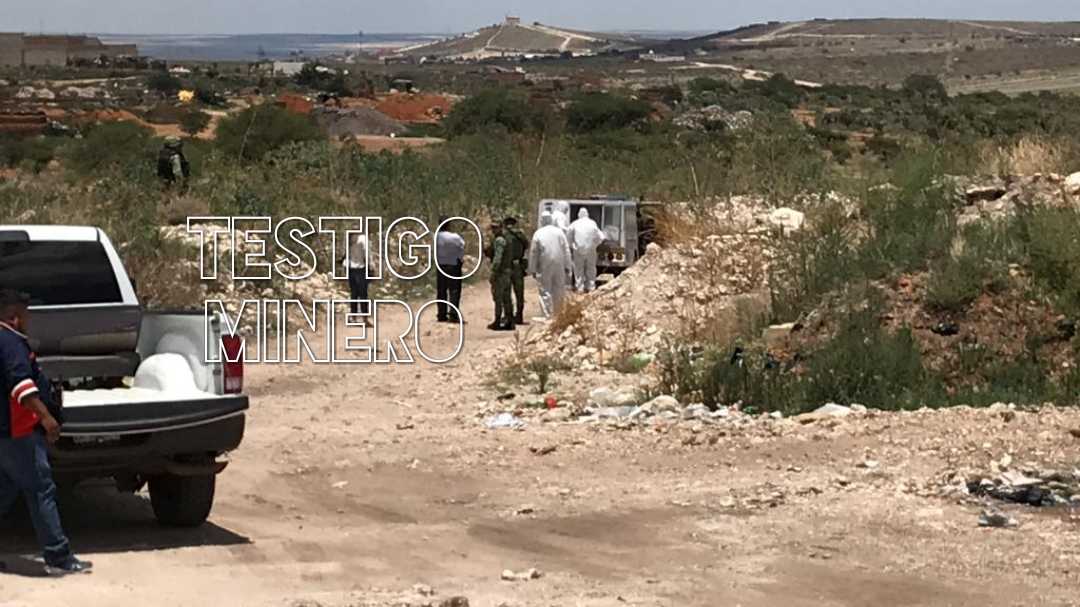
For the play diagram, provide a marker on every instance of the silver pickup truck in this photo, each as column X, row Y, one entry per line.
column 140, row 403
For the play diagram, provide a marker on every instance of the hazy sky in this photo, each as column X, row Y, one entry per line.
column 346, row 16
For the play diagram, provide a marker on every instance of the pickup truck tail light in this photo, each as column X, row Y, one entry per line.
column 233, row 371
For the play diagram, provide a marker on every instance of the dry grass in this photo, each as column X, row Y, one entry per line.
column 176, row 210
column 1027, row 156
column 570, row 315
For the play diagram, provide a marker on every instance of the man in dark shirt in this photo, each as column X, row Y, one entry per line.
column 26, row 423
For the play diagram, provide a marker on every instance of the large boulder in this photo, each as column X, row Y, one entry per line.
column 788, row 220
column 1072, row 184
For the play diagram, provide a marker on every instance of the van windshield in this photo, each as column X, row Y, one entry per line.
column 59, row 273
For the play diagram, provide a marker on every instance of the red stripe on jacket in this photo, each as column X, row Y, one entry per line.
column 23, row 420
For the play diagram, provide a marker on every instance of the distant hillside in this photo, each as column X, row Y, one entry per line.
column 514, row 38
column 968, row 55
column 893, row 28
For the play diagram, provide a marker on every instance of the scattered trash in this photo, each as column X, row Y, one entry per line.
column 523, row 576
column 424, row 590
column 607, row 398
column 946, row 329
column 505, row 420
column 340, row 485
column 1040, row 488
column 997, row 519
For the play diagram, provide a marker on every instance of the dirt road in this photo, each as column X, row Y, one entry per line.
column 355, row 485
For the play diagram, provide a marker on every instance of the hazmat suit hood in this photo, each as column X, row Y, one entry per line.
column 583, row 214
column 546, row 219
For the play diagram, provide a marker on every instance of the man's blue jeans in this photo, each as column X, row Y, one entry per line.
column 25, row 470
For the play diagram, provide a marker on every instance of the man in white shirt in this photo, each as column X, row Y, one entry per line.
column 450, row 257
column 358, row 279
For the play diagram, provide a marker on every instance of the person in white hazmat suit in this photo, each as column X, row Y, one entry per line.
column 561, row 220
column 550, row 263
column 585, row 237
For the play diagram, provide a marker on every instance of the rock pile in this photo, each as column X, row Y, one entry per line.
column 353, row 122
column 714, row 117
column 1000, row 198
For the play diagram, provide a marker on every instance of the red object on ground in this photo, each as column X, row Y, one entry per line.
column 551, row 402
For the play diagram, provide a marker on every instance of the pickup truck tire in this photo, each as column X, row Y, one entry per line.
column 182, row 501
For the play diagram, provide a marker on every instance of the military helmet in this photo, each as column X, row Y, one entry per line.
column 172, row 141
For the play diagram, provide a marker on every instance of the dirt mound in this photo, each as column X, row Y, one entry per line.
column 419, row 108
column 705, row 287
column 354, row 122
column 296, row 103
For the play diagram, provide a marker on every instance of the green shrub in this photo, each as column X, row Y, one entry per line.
column 34, row 153
column 699, row 86
column 954, row 283
column 164, row 82
column 814, row 262
column 605, row 111
column 256, row 131
column 912, row 224
column 497, row 107
column 1052, row 242
column 331, row 81
column 194, row 122
column 864, row 363
column 780, row 89
column 753, row 379
column 925, row 87
column 113, row 146
column 777, row 158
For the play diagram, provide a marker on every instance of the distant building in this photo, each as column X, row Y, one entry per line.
column 11, row 47
column 513, row 20
column 288, row 68
column 17, row 49
column 659, row 58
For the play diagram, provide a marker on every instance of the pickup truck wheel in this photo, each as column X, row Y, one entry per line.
column 182, row 501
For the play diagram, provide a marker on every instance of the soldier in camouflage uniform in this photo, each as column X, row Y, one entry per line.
column 501, row 271
column 518, row 245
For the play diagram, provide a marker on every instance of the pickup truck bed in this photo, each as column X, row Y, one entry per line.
column 147, row 399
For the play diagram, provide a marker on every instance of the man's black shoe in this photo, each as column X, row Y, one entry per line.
column 506, row 327
column 494, row 326
column 69, row 567
column 519, row 319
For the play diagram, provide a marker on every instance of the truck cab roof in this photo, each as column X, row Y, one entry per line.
column 10, row 233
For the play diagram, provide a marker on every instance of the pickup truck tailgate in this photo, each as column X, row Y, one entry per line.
column 134, row 411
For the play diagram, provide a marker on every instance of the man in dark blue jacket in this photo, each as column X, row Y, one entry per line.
column 26, row 423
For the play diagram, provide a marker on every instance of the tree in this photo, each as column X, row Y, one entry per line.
column 164, row 82
column 252, row 133
column 925, row 87
column 317, row 77
column 194, row 122
column 604, row 111
column 490, row 107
